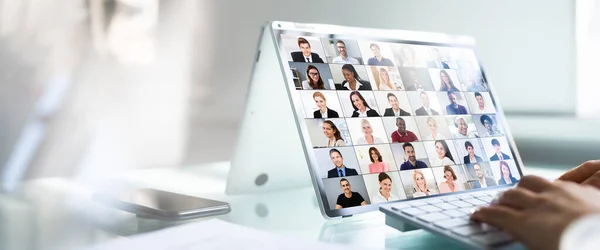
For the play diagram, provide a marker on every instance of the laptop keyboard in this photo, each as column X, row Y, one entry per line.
column 450, row 214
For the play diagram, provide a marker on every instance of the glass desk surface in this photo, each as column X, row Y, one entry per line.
column 57, row 213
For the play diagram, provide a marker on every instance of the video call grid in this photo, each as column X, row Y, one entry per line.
column 467, row 110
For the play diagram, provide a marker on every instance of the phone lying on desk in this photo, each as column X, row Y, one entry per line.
column 162, row 205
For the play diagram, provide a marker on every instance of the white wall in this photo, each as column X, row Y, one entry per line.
column 527, row 47
column 588, row 38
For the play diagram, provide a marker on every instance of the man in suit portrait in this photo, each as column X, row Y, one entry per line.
column 482, row 180
column 425, row 109
column 305, row 55
column 454, row 108
column 340, row 170
column 395, row 110
column 498, row 156
column 437, row 60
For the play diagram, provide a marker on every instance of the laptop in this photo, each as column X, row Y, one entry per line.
column 404, row 122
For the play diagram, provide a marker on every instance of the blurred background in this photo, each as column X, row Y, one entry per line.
column 96, row 87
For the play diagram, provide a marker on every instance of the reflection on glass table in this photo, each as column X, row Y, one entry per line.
column 56, row 213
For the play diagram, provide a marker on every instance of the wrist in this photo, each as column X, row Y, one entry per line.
column 581, row 233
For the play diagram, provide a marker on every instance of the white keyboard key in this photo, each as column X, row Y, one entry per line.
column 487, row 199
column 417, row 203
column 445, row 206
column 430, row 208
column 467, row 210
column 492, row 192
column 454, row 213
column 433, row 217
column 434, row 201
column 460, row 204
column 413, row 211
column 471, row 229
column 452, row 223
column 450, row 198
column 479, row 194
column 476, row 202
column 400, row 206
column 464, row 196
column 492, row 239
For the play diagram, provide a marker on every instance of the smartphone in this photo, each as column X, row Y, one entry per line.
column 162, row 205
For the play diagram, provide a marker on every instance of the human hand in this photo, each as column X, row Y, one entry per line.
column 587, row 173
column 537, row 211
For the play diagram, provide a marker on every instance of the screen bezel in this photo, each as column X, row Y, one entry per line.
column 391, row 36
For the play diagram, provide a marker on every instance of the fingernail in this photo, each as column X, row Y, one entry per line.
column 474, row 216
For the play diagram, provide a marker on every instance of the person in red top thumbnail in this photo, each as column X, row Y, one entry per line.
column 403, row 135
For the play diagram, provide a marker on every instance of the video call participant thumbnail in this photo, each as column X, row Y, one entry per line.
column 446, row 83
column 506, row 174
column 395, row 110
column 384, row 193
column 420, row 185
column 305, row 54
column 385, row 83
column 360, row 105
column 437, row 61
column 425, row 109
column 378, row 59
column 368, row 137
column 334, row 137
column 323, row 111
column 411, row 162
column 454, row 108
column 471, row 157
column 433, row 126
column 403, row 135
column 488, row 124
column 482, row 180
column 462, row 128
column 408, row 56
column 313, row 79
column 348, row 198
column 343, row 57
column 377, row 165
column 352, row 81
column 340, row 170
column 450, row 184
column 499, row 155
column 443, row 157
column 414, row 82
column 481, row 107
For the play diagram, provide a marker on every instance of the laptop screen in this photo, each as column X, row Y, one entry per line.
column 393, row 119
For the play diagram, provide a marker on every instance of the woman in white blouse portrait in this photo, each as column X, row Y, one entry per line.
column 433, row 126
column 368, row 137
column 443, row 155
column 384, row 193
column 334, row 137
column 360, row 105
